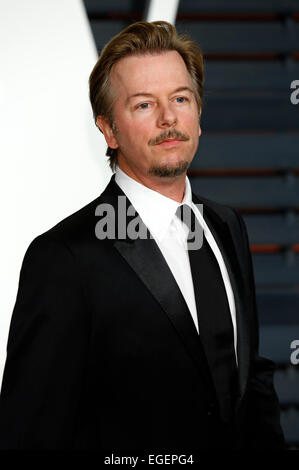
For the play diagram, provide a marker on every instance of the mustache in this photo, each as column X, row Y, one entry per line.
column 170, row 134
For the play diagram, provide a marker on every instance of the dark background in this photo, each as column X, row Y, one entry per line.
column 248, row 155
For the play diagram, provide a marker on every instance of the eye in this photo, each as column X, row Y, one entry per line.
column 181, row 99
column 143, row 106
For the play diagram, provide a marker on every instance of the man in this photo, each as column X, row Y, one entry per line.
column 126, row 342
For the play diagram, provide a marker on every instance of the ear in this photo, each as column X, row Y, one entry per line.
column 106, row 129
column 199, row 119
column 199, row 130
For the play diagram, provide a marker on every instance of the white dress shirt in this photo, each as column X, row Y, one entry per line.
column 158, row 213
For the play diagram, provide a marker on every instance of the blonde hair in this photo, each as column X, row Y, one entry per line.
column 138, row 39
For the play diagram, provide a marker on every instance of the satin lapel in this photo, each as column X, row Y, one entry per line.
column 146, row 259
column 223, row 236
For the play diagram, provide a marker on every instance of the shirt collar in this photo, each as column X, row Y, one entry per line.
column 156, row 211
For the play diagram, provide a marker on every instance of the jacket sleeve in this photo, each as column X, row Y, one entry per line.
column 263, row 411
column 46, row 351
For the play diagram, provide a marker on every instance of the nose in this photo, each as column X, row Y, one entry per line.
column 167, row 116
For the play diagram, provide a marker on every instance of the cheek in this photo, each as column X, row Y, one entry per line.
column 134, row 137
column 140, row 132
column 133, row 128
column 192, row 128
column 190, row 120
column 195, row 126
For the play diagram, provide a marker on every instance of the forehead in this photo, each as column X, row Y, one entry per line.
column 153, row 73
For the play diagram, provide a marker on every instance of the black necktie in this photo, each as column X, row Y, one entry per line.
column 214, row 318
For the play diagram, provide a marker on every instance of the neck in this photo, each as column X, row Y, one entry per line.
column 171, row 187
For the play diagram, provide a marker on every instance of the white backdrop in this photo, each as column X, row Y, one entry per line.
column 52, row 155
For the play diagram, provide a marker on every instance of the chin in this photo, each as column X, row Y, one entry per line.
column 168, row 170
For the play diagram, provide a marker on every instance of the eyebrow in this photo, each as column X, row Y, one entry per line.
column 144, row 93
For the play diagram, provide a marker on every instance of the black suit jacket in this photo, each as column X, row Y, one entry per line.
column 103, row 353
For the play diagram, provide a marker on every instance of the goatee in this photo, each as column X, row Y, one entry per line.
column 167, row 171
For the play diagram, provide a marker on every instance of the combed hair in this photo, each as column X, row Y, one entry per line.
column 138, row 39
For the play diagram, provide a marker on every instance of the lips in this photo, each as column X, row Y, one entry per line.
column 170, row 142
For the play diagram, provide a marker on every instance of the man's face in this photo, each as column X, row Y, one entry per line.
column 155, row 115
